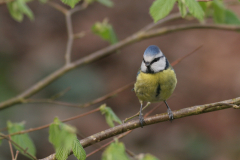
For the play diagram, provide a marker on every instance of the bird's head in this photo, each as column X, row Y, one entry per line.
column 153, row 60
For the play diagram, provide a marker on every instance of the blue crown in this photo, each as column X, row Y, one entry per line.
column 152, row 50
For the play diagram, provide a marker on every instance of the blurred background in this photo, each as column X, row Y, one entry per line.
column 31, row 50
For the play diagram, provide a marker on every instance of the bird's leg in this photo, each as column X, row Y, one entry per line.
column 141, row 120
column 137, row 114
column 170, row 114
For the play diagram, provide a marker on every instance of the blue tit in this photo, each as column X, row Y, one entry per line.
column 156, row 80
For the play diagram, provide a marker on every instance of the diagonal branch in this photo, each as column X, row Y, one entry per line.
column 106, row 52
column 185, row 112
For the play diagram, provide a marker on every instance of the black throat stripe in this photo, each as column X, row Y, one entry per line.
column 149, row 70
column 158, row 90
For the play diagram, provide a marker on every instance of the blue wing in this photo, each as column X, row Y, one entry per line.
column 138, row 73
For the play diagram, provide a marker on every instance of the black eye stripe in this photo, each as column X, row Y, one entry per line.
column 156, row 59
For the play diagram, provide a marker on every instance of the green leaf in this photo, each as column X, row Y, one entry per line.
column 115, row 151
column 161, row 8
column 71, row 3
column 223, row 15
column 62, row 153
column 78, row 150
column 195, row 9
column 219, row 12
column 148, row 157
column 182, row 8
column 63, row 137
column 109, row 115
column 107, row 3
column 14, row 11
column 105, row 31
column 18, row 9
column 203, row 6
column 22, row 140
column 25, row 9
column 231, row 18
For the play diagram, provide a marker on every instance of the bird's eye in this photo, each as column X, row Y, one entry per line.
column 144, row 60
column 155, row 60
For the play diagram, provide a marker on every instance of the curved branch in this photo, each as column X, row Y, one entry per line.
column 170, row 29
column 195, row 110
column 106, row 52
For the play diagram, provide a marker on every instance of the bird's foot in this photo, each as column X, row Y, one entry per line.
column 170, row 114
column 141, row 120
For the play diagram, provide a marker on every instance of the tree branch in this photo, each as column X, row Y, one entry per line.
column 185, row 112
column 106, row 52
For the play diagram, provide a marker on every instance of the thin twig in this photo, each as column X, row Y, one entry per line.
column 47, row 125
column 79, row 7
column 17, row 152
column 171, row 17
column 3, row 129
column 57, row 7
column 24, row 150
column 182, row 58
column 11, row 149
column 153, row 109
column 79, row 35
column 60, row 94
column 50, row 101
column 70, row 38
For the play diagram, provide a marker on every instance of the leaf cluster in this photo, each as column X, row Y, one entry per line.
column 199, row 10
column 64, row 139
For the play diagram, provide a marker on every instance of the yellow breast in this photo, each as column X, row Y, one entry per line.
column 155, row 87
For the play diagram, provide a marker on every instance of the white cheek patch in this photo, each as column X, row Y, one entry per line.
column 159, row 65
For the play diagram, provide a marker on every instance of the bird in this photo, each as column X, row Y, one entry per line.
column 155, row 81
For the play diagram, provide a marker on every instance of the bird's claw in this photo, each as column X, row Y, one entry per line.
column 170, row 114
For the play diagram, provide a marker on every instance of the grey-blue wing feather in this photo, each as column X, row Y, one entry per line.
column 138, row 73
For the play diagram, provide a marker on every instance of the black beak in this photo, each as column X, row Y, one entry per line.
column 147, row 64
